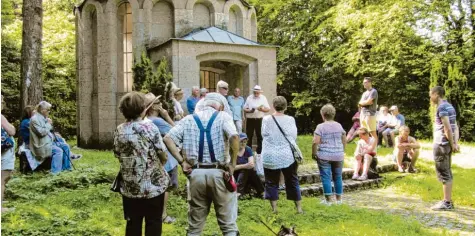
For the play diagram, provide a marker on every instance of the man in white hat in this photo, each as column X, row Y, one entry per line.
column 204, row 137
column 255, row 108
column 223, row 91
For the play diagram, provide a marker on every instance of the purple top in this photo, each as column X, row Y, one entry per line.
column 331, row 145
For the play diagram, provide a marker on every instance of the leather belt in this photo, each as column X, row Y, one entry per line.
column 208, row 166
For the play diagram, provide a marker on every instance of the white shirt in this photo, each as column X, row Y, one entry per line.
column 255, row 102
column 362, row 146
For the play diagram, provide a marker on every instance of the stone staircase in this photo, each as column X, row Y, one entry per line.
column 311, row 185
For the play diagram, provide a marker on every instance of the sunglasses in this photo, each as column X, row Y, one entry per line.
column 224, row 88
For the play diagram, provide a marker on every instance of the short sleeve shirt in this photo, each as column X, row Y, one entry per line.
column 137, row 145
column 187, row 135
column 331, row 145
column 444, row 109
column 255, row 102
column 370, row 109
column 164, row 128
column 244, row 159
column 236, row 105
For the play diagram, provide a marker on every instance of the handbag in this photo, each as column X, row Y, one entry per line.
column 7, row 141
column 296, row 153
column 115, row 187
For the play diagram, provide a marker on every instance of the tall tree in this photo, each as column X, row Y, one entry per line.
column 31, row 55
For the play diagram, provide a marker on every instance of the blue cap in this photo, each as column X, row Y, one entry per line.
column 242, row 136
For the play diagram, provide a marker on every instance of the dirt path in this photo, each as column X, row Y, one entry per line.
column 465, row 158
column 461, row 220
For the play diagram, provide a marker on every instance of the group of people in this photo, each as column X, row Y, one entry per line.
column 212, row 151
column 39, row 142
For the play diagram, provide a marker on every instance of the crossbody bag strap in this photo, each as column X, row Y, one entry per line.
column 277, row 123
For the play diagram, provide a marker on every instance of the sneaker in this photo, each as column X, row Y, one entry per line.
column 169, row 220
column 400, row 169
column 339, row 202
column 443, row 206
column 76, row 156
column 355, row 177
column 325, row 202
column 362, row 178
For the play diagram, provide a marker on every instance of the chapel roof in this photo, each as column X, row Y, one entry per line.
column 216, row 35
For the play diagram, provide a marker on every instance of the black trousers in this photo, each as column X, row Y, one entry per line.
column 135, row 210
column 254, row 124
column 246, row 179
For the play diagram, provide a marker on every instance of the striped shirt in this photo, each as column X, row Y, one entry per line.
column 444, row 109
column 331, row 145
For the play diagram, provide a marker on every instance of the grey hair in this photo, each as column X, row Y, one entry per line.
column 43, row 105
column 280, row 103
column 212, row 103
column 195, row 87
column 328, row 112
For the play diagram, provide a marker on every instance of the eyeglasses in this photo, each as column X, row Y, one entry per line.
column 224, row 88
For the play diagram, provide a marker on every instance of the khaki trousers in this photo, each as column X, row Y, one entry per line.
column 207, row 186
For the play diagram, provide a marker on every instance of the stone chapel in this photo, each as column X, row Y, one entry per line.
column 204, row 41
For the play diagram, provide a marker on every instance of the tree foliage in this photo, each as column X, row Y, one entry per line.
column 328, row 46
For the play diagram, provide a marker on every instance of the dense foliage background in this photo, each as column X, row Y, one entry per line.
column 326, row 48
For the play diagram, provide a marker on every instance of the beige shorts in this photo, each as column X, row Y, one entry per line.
column 368, row 122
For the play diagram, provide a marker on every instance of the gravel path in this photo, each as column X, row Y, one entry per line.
column 461, row 220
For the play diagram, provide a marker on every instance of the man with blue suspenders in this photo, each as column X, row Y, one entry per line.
column 204, row 137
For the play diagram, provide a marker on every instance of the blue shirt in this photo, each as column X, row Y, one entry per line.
column 25, row 131
column 236, row 106
column 244, row 159
column 164, row 128
column 401, row 118
column 444, row 109
column 191, row 104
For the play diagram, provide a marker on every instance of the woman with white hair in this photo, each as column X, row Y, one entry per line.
column 43, row 142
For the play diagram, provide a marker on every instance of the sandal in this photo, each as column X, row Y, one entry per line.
column 168, row 220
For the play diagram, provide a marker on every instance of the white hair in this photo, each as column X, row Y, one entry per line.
column 44, row 105
column 195, row 87
column 212, row 103
column 222, row 84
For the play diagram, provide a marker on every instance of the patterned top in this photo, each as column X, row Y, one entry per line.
column 187, row 135
column 137, row 145
column 331, row 145
column 276, row 152
column 444, row 109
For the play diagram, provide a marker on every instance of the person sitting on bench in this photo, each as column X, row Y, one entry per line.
column 44, row 143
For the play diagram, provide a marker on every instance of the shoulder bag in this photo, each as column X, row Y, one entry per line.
column 297, row 154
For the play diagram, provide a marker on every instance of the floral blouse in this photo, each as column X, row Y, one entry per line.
column 137, row 145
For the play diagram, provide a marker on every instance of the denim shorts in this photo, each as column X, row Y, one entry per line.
column 443, row 161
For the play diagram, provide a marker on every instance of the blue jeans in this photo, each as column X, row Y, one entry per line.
column 331, row 170
column 60, row 158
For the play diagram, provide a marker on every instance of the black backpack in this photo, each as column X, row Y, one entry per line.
column 373, row 172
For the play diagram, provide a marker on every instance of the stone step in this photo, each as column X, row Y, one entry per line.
column 312, row 178
column 348, row 186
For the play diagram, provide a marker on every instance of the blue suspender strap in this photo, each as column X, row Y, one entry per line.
column 208, row 137
column 202, row 137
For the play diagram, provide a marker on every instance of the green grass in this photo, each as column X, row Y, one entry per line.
column 80, row 203
column 426, row 186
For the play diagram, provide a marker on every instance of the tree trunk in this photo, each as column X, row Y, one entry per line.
column 31, row 55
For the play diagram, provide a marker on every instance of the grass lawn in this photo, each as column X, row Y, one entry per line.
column 80, row 203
